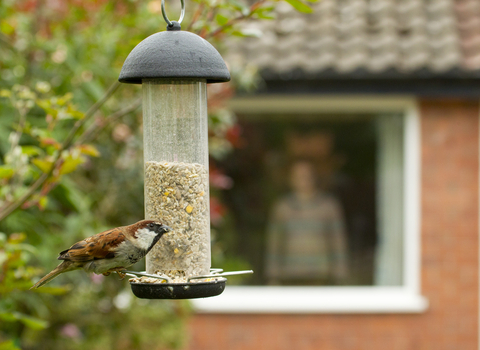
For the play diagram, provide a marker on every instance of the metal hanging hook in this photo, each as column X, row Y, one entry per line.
column 164, row 13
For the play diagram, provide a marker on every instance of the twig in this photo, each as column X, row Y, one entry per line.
column 94, row 129
column 4, row 39
column 209, row 18
column 21, row 125
column 95, row 107
column 225, row 26
column 196, row 15
column 235, row 20
column 66, row 144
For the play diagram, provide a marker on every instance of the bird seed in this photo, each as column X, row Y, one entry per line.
column 176, row 194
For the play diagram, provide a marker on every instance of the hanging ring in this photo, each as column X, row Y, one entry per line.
column 182, row 13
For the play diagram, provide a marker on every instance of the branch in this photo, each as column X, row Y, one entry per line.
column 235, row 20
column 94, row 129
column 95, row 107
column 195, row 17
column 5, row 40
column 65, row 145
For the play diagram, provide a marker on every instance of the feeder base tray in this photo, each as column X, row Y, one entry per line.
column 178, row 290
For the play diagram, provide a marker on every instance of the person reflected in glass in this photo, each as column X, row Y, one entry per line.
column 306, row 239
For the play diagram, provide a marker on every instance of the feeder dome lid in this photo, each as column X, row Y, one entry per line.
column 174, row 54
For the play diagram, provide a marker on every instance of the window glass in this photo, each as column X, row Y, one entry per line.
column 316, row 200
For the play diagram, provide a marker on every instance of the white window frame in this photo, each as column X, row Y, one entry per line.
column 342, row 299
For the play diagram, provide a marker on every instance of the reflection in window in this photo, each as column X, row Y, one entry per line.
column 317, row 200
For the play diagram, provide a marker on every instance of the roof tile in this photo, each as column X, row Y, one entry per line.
column 373, row 35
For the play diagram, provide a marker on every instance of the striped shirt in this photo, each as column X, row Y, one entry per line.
column 306, row 240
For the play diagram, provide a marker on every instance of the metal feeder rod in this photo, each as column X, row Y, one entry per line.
column 213, row 275
column 136, row 274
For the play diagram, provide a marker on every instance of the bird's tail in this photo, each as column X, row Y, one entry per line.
column 63, row 267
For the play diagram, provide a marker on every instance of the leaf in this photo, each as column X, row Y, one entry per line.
column 42, row 164
column 47, row 106
column 221, row 20
column 62, row 101
column 89, row 150
column 42, row 202
column 6, row 27
column 34, row 323
column 31, row 150
column 264, row 15
column 16, row 238
column 5, row 93
column 25, row 247
column 265, row 12
column 300, row 6
column 54, row 290
column 39, row 133
column 7, row 317
column 49, row 141
column 30, row 321
column 8, row 345
column 70, row 164
column 238, row 5
column 75, row 114
column 247, row 33
column 6, row 172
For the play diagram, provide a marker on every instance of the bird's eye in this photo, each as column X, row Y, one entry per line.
column 151, row 225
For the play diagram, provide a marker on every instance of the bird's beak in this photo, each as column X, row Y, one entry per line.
column 166, row 228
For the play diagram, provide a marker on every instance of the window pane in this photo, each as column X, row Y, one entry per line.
column 388, row 266
column 317, row 200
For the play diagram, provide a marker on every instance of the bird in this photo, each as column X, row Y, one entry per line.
column 109, row 251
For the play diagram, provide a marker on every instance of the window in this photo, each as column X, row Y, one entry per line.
column 326, row 206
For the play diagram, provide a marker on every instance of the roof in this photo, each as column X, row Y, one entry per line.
column 367, row 39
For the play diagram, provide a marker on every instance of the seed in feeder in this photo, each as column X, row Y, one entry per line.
column 186, row 252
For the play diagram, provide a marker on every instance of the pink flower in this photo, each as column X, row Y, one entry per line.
column 70, row 330
column 220, row 180
column 97, row 279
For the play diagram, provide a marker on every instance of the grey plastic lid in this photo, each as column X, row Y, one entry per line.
column 174, row 54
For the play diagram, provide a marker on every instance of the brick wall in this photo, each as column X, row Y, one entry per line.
column 449, row 263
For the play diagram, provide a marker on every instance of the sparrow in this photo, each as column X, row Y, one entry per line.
column 109, row 251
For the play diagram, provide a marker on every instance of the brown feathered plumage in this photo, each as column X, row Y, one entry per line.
column 109, row 251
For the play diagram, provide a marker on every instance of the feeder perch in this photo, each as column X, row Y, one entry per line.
column 174, row 67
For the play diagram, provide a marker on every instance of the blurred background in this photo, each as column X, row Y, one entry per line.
column 311, row 148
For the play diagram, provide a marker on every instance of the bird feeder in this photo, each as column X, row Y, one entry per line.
column 174, row 68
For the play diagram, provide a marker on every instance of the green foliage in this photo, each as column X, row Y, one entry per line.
column 301, row 6
column 15, row 279
column 35, row 147
column 8, row 345
column 71, row 163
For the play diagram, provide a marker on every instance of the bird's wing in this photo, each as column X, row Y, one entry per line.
column 99, row 246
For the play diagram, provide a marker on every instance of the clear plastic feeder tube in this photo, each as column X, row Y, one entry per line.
column 176, row 175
